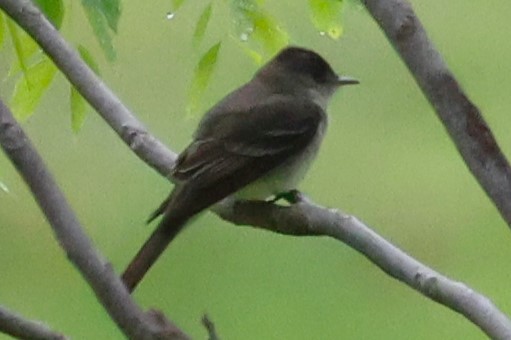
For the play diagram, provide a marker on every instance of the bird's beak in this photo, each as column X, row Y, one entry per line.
column 345, row 80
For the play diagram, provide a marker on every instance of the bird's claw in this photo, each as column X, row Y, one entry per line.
column 292, row 197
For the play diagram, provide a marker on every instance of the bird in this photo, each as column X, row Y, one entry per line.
column 257, row 142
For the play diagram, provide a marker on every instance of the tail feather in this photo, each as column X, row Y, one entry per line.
column 164, row 233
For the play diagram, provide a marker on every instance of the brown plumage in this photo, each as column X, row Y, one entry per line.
column 255, row 143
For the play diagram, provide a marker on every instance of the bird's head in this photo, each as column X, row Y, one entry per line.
column 300, row 71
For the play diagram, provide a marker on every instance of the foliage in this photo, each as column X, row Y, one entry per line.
column 31, row 86
column 326, row 16
column 3, row 187
column 34, row 69
column 202, row 24
column 53, row 9
column 104, row 16
column 78, row 103
column 202, row 76
column 259, row 34
column 254, row 22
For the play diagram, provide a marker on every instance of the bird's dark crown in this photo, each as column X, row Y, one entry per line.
column 307, row 62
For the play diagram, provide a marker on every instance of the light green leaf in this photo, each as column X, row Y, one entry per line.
column 268, row 33
column 27, row 94
column 256, row 57
column 202, row 76
column 2, row 30
column 252, row 21
column 79, row 105
column 53, row 9
column 176, row 4
column 4, row 187
column 24, row 46
column 78, row 110
column 202, row 24
column 326, row 16
column 103, row 16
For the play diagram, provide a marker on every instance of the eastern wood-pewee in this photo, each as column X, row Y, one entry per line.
column 255, row 143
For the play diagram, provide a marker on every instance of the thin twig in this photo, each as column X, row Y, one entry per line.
column 17, row 326
column 99, row 274
column 210, row 327
column 462, row 119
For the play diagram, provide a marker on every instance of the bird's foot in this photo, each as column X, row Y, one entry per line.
column 292, row 197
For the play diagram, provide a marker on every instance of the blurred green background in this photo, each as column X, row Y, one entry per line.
column 386, row 159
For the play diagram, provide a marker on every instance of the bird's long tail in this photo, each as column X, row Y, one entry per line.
column 164, row 233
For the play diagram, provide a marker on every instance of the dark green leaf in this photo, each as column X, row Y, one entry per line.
column 53, row 9
column 27, row 94
column 102, row 17
column 202, row 76
column 326, row 16
column 112, row 11
column 202, row 24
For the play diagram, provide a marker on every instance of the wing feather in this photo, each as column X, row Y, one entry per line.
column 241, row 151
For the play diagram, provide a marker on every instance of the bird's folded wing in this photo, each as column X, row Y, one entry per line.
column 245, row 147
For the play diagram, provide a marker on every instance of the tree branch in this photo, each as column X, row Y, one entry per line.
column 462, row 119
column 99, row 274
column 304, row 218
column 307, row 218
column 19, row 327
column 90, row 86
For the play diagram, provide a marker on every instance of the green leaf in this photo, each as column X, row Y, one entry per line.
column 78, row 109
column 202, row 77
column 24, row 46
column 112, row 11
column 256, row 57
column 53, row 9
column 252, row 21
column 268, row 33
column 176, row 4
column 2, row 30
column 4, row 187
column 79, row 105
column 326, row 16
column 102, row 15
column 30, row 88
column 202, row 24
column 88, row 58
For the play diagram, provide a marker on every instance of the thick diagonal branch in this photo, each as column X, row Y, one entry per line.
column 462, row 119
column 307, row 218
column 98, row 273
column 22, row 328
column 90, row 86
